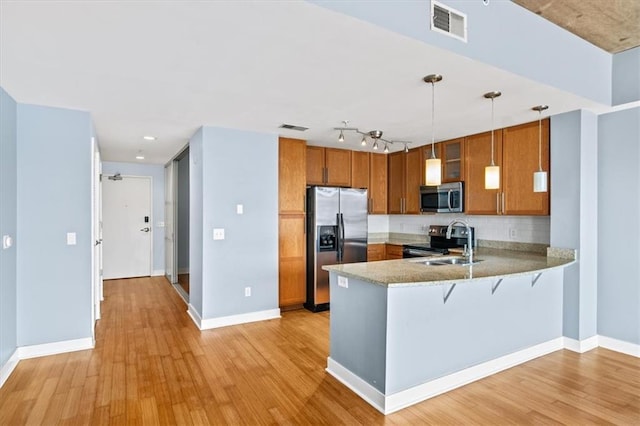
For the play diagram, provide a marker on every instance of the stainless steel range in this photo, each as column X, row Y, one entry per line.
column 439, row 243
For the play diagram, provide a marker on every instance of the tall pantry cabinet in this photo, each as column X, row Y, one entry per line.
column 292, row 156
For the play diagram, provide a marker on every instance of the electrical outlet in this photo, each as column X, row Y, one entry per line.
column 247, row 292
column 343, row 281
column 512, row 233
column 71, row 238
column 218, row 233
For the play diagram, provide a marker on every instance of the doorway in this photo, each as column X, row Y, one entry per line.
column 126, row 226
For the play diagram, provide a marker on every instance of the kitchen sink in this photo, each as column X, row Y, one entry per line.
column 463, row 261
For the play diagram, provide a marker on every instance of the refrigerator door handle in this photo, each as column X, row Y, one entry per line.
column 338, row 238
column 341, row 231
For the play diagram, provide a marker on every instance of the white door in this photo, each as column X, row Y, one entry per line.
column 126, row 226
column 96, row 232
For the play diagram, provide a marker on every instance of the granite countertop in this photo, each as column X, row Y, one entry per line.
column 411, row 272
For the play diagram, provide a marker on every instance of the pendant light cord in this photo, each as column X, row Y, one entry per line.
column 433, row 118
column 492, row 125
column 540, row 140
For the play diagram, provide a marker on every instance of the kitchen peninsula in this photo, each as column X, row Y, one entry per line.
column 403, row 331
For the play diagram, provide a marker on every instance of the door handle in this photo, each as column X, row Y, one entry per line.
column 98, row 242
column 147, row 229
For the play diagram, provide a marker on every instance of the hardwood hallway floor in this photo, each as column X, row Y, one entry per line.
column 152, row 366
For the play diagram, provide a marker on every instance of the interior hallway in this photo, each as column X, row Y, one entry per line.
column 152, row 365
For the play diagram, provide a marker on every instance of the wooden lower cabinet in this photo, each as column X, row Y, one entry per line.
column 393, row 251
column 292, row 259
column 375, row 252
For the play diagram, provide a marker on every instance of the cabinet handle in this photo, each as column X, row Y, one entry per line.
column 503, row 203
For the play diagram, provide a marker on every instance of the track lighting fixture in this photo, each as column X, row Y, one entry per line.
column 376, row 135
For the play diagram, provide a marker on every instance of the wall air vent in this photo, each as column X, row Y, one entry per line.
column 448, row 21
column 292, row 127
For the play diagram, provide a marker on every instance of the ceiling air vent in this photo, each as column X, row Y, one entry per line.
column 448, row 21
column 292, row 127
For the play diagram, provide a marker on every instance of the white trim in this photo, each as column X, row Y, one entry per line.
column 157, row 273
column 364, row 390
column 581, row 346
column 183, row 270
column 54, row 348
column 628, row 348
column 239, row 319
column 407, row 397
column 195, row 316
column 9, row 366
column 183, row 294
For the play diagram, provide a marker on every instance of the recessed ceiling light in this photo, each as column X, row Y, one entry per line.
column 139, row 157
column 149, row 138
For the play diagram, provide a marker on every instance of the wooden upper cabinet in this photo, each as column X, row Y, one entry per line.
column 520, row 160
column 378, row 183
column 396, row 179
column 315, row 165
column 477, row 156
column 291, row 175
column 452, row 155
column 359, row 169
column 516, row 152
column 328, row 166
column 406, row 175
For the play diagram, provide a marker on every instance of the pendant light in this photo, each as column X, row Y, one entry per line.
column 433, row 166
column 492, row 172
column 540, row 177
column 363, row 142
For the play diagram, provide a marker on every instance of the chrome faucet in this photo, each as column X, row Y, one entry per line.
column 469, row 251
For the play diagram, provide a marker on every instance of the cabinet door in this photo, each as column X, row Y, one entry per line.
column 378, row 184
column 315, row 165
column 359, row 169
column 338, row 165
column 393, row 251
column 291, row 175
column 292, row 260
column 477, row 156
column 396, row 177
column 520, row 160
column 375, row 252
column 452, row 160
column 414, row 171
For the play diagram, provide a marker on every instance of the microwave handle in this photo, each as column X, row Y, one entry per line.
column 449, row 200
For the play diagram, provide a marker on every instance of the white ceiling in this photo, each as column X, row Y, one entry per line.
column 167, row 68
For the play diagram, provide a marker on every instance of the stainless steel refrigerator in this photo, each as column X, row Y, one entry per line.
column 336, row 233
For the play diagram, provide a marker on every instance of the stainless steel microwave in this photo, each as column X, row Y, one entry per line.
column 445, row 198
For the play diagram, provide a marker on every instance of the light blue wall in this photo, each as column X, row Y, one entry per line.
column 8, row 226
column 196, row 221
column 574, row 215
column 183, row 214
column 626, row 76
column 502, row 34
column 239, row 167
column 54, row 198
column 618, row 226
column 156, row 171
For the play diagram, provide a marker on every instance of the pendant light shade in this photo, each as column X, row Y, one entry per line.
column 492, row 172
column 433, row 166
column 540, row 177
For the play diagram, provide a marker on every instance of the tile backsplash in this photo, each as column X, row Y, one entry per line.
column 525, row 229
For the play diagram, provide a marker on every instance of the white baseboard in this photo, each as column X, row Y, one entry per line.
column 209, row 323
column 195, row 316
column 581, row 346
column 8, row 367
column 157, row 273
column 619, row 346
column 388, row 404
column 34, row 351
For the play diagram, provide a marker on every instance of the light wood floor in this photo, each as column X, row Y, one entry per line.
column 151, row 365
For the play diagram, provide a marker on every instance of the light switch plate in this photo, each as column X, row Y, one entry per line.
column 239, row 209
column 71, row 238
column 218, row 233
